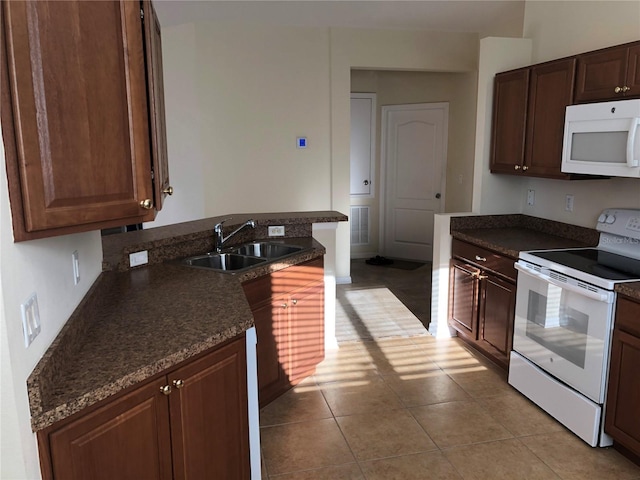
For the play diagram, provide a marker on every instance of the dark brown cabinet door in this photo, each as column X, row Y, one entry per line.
column 306, row 331
column 622, row 421
column 608, row 74
column 463, row 298
column 79, row 100
column 633, row 72
column 288, row 313
column 209, row 426
column 127, row 439
column 497, row 311
column 550, row 92
column 155, row 82
column 270, row 320
column 509, row 121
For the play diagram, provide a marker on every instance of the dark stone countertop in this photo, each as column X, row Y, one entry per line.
column 511, row 234
column 137, row 322
column 631, row 290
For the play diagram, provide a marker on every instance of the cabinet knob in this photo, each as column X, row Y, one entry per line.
column 166, row 389
column 168, row 190
column 284, row 305
column 525, row 168
column 294, row 301
column 618, row 89
column 516, row 167
column 147, row 204
column 625, row 89
column 178, row 383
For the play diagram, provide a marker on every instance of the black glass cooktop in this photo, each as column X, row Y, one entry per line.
column 595, row 262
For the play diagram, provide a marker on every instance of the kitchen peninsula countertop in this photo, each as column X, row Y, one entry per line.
column 511, row 234
column 135, row 323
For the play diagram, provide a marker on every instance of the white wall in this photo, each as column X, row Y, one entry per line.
column 257, row 88
column 43, row 267
column 183, row 128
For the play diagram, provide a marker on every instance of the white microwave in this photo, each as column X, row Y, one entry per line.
column 602, row 139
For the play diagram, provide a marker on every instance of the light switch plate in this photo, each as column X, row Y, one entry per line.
column 30, row 319
column 138, row 258
column 276, row 230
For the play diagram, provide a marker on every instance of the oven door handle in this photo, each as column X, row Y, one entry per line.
column 601, row 297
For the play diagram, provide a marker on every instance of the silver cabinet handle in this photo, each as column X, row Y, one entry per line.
column 480, row 259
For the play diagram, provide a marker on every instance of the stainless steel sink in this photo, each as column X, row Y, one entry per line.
column 223, row 261
column 267, row 250
column 242, row 257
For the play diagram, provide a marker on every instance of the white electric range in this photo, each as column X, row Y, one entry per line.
column 565, row 306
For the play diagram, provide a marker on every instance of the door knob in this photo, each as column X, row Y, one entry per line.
column 366, row 182
column 438, row 195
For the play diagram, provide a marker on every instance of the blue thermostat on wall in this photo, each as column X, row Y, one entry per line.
column 301, row 142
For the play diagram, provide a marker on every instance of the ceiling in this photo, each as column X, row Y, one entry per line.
column 501, row 17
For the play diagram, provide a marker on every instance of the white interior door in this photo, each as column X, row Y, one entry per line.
column 414, row 153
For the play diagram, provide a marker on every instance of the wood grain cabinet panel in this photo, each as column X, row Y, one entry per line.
column 482, row 297
column 622, row 421
column 288, row 313
column 126, row 439
column 608, row 74
column 82, row 85
column 198, row 428
column 528, row 119
column 510, row 96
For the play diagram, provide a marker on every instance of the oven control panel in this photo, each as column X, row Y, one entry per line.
column 620, row 221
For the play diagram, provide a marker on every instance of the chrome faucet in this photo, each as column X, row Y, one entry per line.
column 219, row 240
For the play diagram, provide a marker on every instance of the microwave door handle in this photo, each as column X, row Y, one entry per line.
column 600, row 297
column 631, row 141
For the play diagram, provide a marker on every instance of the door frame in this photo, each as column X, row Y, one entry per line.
column 385, row 110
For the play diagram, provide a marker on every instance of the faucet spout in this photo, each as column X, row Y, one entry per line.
column 220, row 239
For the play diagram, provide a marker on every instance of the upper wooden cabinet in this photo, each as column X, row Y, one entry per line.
column 528, row 119
column 82, row 115
column 511, row 90
column 609, row 74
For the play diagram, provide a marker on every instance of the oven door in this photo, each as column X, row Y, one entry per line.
column 564, row 328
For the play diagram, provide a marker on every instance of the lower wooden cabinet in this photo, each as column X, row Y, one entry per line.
column 622, row 421
column 288, row 312
column 482, row 295
column 188, row 424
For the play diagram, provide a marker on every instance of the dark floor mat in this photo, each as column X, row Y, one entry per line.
column 400, row 264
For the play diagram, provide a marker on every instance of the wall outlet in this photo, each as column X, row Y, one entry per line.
column 76, row 267
column 138, row 258
column 531, row 197
column 568, row 203
column 276, row 231
column 30, row 319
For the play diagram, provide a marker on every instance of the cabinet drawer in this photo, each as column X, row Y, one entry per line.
column 628, row 316
column 484, row 258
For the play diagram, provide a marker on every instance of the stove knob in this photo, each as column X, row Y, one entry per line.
column 610, row 219
column 602, row 218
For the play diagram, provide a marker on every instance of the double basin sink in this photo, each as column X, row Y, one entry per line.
column 242, row 257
